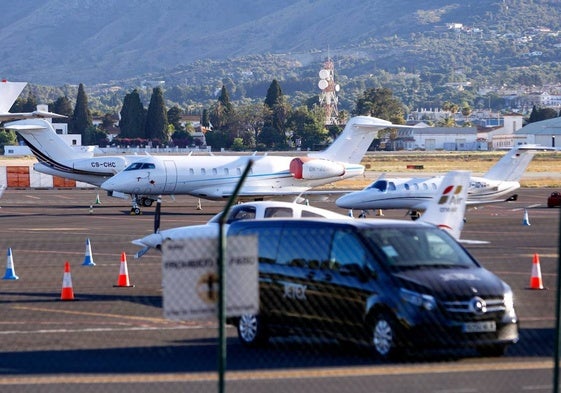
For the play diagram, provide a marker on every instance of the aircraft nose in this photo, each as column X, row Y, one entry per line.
column 153, row 240
column 108, row 185
column 346, row 201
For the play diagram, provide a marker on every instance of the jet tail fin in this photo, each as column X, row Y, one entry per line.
column 47, row 146
column 447, row 208
column 351, row 145
column 513, row 164
column 9, row 92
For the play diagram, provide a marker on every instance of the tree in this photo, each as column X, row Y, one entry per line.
column 221, row 112
column 174, row 118
column 539, row 114
column 308, row 128
column 205, row 119
column 7, row 138
column 62, row 106
column 156, row 127
column 380, row 102
column 82, row 117
column 133, row 117
column 273, row 134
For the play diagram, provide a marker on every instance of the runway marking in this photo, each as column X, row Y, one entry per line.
column 94, row 314
column 317, row 373
column 98, row 330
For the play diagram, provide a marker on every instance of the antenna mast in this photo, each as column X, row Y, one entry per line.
column 328, row 96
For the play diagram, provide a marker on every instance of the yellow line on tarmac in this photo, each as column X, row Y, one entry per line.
column 95, row 314
column 337, row 372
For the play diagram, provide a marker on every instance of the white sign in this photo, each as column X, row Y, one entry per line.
column 190, row 278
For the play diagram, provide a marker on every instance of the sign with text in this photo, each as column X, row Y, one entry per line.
column 190, row 278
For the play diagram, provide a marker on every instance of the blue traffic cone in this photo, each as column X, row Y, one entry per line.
column 88, row 259
column 526, row 221
column 10, row 273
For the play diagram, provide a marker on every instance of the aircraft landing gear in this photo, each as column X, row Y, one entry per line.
column 135, row 209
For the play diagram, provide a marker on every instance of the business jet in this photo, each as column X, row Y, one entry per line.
column 446, row 210
column 413, row 194
column 55, row 157
column 215, row 177
column 9, row 92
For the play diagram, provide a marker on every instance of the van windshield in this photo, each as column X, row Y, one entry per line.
column 413, row 248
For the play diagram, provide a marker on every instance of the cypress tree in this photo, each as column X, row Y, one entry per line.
column 156, row 117
column 274, row 123
column 82, row 117
column 62, row 106
column 133, row 117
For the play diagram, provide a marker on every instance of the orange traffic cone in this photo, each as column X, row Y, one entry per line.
column 67, row 292
column 536, row 279
column 123, row 280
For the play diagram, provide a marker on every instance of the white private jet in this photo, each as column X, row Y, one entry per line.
column 9, row 92
column 445, row 210
column 210, row 177
column 414, row 194
column 55, row 157
column 215, row 177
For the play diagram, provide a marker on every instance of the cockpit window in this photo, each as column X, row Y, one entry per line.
column 140, row 165
column 381, row 185
column 241, row 213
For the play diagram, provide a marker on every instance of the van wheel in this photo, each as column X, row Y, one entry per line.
column 251, row 330
column 385, row 341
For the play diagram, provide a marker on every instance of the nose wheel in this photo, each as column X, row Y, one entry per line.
column 135, row 209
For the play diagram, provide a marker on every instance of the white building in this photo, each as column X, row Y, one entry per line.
column 545, row 132
column 438, row 138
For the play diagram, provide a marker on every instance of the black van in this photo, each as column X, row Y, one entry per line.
column 394, row 284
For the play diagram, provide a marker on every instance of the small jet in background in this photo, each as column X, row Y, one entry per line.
column 413, row 194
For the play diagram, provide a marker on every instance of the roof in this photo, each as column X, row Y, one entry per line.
column 544, row 127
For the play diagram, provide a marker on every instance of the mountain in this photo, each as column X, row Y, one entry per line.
column 57, row 42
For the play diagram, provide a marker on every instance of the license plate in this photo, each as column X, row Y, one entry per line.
column 478, row 327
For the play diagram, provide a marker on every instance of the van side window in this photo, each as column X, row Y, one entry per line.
column 268, row 243
column 304, row 247
column 347, row 252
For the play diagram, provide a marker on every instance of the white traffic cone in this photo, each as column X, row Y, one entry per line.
column 88, row 259
column 526, row 221
column 10, row 273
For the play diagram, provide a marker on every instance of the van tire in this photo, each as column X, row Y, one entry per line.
column 252, row 332
column 384, row 337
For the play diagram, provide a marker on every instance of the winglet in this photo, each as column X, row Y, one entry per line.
column 9, row 92
column 447, row 208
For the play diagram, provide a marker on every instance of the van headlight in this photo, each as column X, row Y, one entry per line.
column 418, row 299
column 508, row 299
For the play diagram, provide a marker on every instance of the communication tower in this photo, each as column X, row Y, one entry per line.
column 328, row 96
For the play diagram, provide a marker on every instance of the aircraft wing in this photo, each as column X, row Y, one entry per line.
column 477, row 203
column 30, row 115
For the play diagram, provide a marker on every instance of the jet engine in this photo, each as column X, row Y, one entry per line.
column 308, row 168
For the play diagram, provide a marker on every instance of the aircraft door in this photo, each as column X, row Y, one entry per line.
column 171, row 176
